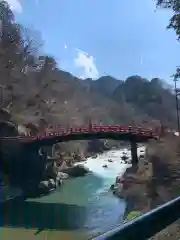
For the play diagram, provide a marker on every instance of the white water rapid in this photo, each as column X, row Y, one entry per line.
column 115, row 165
column 113, row 160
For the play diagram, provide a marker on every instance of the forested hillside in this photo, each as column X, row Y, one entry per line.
column 33, row 87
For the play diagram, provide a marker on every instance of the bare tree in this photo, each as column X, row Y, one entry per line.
column 43, row 74
column 22, row 68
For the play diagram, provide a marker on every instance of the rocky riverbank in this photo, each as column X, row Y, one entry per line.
column 154, row 181
column 54, row 177
column 41, row 171
column 63, row 165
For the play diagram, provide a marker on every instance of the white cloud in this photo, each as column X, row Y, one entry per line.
column 15, row 5
column 86, row 64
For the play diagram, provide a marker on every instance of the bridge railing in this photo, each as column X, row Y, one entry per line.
column 94, row 128
column 146, row 225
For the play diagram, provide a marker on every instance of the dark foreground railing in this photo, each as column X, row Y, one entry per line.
column 147, row 225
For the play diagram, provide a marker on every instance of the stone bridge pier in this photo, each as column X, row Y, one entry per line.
column 34, row 163
column 134, row 155
column 21, row 164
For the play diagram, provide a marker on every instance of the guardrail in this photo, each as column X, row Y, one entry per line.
column 146, row 225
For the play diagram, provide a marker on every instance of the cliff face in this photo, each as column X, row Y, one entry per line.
column 21, row 164
column 137, row 188
column 155, row 181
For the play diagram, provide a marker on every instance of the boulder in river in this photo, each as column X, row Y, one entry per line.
column 51, row 183
column 44, row 186
column 62, row 175
column 76, row 171
column 105, row 166
column 117, row 188
column 59, row 181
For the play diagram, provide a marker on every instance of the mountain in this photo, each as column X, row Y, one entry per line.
column 105, row 85
column 75, row 102
column 33, row 88
column 149, row 97
column 106, row 100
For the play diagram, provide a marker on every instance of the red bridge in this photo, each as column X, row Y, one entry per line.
column 32, row 144
column 116, row 132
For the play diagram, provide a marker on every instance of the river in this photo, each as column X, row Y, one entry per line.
column 82, row 208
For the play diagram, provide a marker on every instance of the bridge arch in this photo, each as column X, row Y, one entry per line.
column 133, row 136
column 24, row 150
column 105, row 132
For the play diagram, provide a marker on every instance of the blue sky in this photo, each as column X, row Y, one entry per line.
column 91, row 38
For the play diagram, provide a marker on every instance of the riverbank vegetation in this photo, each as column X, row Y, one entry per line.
column 155, row 180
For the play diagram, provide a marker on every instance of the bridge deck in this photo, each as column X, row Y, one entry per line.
column 83, row 133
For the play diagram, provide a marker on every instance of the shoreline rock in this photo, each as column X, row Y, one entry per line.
column 75, row 171
column 53, row 178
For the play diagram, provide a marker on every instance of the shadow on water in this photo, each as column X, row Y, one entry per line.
column 42, row 216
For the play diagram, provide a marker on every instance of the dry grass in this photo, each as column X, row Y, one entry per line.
column 160, row 181
column 165, row 158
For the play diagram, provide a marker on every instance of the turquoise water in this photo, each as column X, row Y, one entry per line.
column 83, row 207
column 85, row 204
